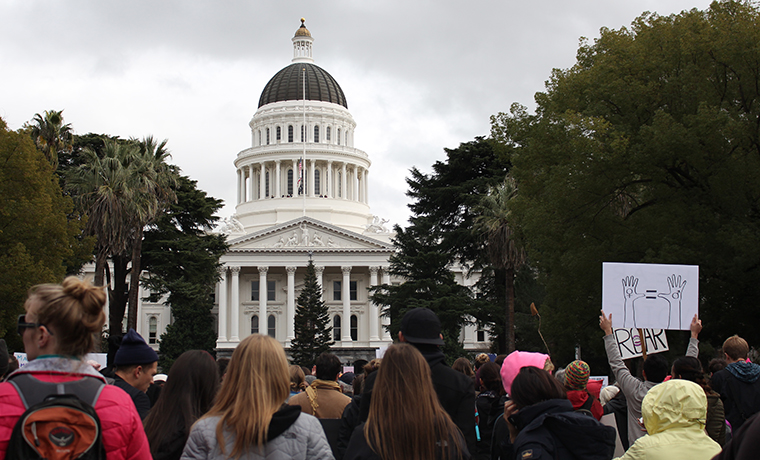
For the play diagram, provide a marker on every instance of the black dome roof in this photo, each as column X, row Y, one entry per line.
column 287, row 85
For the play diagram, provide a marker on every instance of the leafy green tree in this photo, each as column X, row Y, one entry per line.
column 312, row 322
column 506, row 255
column 646, row 150
column 182, row 261
column 35, row 236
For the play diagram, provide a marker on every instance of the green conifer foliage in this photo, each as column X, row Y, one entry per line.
column 312, row 323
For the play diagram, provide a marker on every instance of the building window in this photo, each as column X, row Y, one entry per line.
column 340, row 185
column 290, row 182
column 354, row 328
column 327, row 134
column 152, row 330
column 346, row 143
column 271, row 330
column 271, row 290
column 267, row 136
column 353, row 294
column 481, row 335
column 254, row 292
column 336, row 328
column 302, row 133
column 259, row 137
column 266, row 183
column 254, row 324
column 316, row 134
column 316, row 182
column 278, row 134
column 290, row 133
column 338, row 136
column 336, row 290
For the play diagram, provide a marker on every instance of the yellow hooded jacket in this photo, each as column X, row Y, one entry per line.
column 674, row 415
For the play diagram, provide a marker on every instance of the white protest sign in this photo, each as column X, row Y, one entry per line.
column 21, row 358
column 651, row 296
column 629, row 342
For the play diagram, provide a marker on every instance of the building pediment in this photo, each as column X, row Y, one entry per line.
column 306, row 233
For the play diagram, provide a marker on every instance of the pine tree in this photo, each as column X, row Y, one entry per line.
column 312, row 323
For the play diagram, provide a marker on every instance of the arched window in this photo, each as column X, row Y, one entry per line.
column 354, row 328
column 290, row 133
column 259, row 137
column 152, row 330
column 302, row 133
column 254, row 324
column 266, row 184
column 338, row 136
column 290, row 182
column 336, row 328
column 316, row 134
column 278, row 133
column 271, row 330
column 340, row 185
column 267, row 136
column 316, row 182
column 346, row 143
column 327, row 134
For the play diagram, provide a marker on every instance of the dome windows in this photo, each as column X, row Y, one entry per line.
column 290, row 133
column 278, row 135
column 316, row 133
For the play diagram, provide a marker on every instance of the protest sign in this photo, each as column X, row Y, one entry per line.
column 629, row 342
column 651, row 296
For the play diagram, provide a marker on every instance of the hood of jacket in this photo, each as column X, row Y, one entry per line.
column 282, row 420
column 744, row 371
column 675, row 404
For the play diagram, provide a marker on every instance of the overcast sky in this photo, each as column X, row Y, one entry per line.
column 418, row 76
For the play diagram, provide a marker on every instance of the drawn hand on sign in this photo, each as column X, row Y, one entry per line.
column 676, row 286
column 630, row 294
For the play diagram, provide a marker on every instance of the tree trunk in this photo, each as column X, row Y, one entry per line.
column 100, row 267
column 510, row 293
column 134, row 281
column 118, row 296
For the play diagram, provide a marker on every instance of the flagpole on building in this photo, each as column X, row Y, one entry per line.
column 305, row 134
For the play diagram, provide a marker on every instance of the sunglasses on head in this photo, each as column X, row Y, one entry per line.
column 22, row 324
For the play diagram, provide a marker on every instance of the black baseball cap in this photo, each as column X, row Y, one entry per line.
column 421, row 325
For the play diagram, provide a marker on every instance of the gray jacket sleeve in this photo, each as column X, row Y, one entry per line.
column 628, row 384
column 693, row 349
column 196, row 447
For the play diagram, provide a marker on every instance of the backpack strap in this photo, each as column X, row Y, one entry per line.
column 589, row 402
column 33, row 391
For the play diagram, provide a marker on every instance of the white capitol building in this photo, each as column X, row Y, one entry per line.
column 279, row 223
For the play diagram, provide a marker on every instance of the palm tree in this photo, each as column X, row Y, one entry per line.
column 154, row 185
column 51, row 135
column 495, row 223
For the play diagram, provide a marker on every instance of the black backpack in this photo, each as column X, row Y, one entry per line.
column 59, row 422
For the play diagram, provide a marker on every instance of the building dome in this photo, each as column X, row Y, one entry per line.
column 287, row 85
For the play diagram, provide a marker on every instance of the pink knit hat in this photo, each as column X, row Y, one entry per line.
column 516, row 361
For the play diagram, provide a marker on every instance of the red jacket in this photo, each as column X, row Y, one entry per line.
column 123, row 434
column 579, row 397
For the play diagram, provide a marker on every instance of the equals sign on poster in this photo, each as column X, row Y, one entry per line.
column 651, row 294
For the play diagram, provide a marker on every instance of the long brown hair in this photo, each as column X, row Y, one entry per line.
column 256, row 385
column 406, row 420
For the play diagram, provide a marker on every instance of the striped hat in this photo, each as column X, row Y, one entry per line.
column 576, row 375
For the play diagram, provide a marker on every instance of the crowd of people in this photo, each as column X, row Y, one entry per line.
column 409, row 404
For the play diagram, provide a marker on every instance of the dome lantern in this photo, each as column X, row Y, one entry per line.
column 302, row 44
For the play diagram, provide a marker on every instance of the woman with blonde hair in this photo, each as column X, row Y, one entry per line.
column 63, row 323
column 406, row 420
column 250, row 419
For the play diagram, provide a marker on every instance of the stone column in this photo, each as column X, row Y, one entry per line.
column 263, row 298
column 386, row 321
column 343, row 182
column 277, row 173
column 222, row 305
column 291, row 313
column 374, row 315
column 319, row 271
column 330, row 185
column 235, row 301
column 366, row 186
column 356, row 184
column 250, row 190
column 345, row 294
column 238, row 187
column 262, row 185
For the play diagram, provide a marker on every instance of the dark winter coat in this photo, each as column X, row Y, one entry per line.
column 489, row 410
column 359, row 449
column 553, row 430
column 739, row 388
column 745, row 443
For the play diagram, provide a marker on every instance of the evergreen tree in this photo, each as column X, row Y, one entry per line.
column 182, row 260
column 312, row 323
